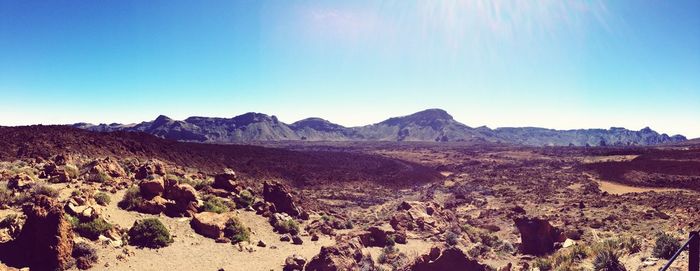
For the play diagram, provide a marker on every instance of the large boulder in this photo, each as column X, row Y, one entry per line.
column 210, row 224
column 276, row 194
column 185, row 199
column 46, row 240
column 445, row 259
column 226, row 181
column 346, row 254
column 375, row 237
column 537, row 235
column 152, row 188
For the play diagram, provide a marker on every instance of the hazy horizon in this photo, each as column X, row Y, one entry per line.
column 550, row 64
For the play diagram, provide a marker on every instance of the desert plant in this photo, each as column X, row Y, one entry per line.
column 631, row 244
column 102, row 198
column 665, row 246
column 92, row 229
column 132, row 198
column 235, row 231
column 5, row 196
column 608, row 260
column 543, row 264
column 72, row 171
column 150, row 233
column 245, row 198
column 217, row 205
column 85, row 255
column 45, row 190
column 451, row 238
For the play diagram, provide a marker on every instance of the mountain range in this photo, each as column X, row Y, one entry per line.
column 429, row 125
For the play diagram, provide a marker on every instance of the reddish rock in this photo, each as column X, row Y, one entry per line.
column 151, row 188
column 226, row 181
column 21, row 181
column 276, row 194
column 446, row 259
column 210, row 224
column 108, row 166
column 346, row 254
column 294, row 263
column 46, row 240
column 152, row 167
column 537, row 235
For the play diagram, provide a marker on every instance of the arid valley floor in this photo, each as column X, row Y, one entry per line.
column 70, row 198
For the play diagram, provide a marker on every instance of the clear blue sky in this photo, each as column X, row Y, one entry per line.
column 550, row 63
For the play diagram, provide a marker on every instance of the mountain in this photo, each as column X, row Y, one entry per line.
column 434, row 125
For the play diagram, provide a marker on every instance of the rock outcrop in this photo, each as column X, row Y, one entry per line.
column 46, row 240
column 346, row 254
column 282, row 201
column 426, row 217
column 537, row 235
column 445, row 259
column 210, row 224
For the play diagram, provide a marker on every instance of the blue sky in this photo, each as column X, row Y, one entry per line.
column 549, row 63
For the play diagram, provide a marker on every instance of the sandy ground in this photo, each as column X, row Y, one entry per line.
column 191, row 251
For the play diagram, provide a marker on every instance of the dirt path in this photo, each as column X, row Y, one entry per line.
column 619, row 189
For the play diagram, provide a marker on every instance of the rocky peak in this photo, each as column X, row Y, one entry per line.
column 318, row 124
column 430, row 117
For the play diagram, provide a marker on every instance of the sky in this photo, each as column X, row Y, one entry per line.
column 549, row 63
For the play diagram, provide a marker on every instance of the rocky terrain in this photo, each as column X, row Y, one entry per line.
column 75, row 199
column 432, row 125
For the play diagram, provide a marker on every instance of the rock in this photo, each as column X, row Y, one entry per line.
column 446, row 259
column 156, row 205
column 149, row 168
column 223, row 240
column 108, row 166
column 226, row 181
column 294, row 263
column 568, row 243
column 346, row 254
column 21, row 181
column 537, row 236
column 297, row 240
column 222, row 193
column 400, row 238
column 285, row 238
column 210, row 224
column 46, row 240
column 314, row 237
column 507, row 267
column 375, row 237
column 277, row 220
column 428, row 217
column 151, row 188
column 261, row 243
column 276, row 194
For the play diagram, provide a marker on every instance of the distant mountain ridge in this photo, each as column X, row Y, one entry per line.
column 428, row 125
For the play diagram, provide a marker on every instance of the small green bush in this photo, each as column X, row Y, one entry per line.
column 246, row 198
column 235, row 231
column 452, row 238
column 287, row 226
column 92, row 229
column 150, row 233
column 631, row 244
column 217, row 205
column 102, row 199
column 608, row 260
column 72, row 171
column 132, row 199
column 83, row 249
column 45, row 190
column 666, row 245
column 6, row 196
column 543, row 264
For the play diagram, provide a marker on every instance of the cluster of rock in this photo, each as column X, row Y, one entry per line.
column 165, row 195
column 421, row 217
